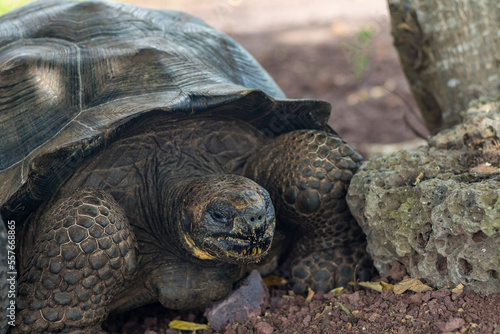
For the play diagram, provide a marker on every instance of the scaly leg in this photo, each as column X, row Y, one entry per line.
column 307, row 173
column 77, row 256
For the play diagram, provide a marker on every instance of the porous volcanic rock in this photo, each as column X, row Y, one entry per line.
column 435, row 210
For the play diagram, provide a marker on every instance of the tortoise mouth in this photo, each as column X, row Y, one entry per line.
column 239, row 248
column 231, row 248
column 242, row 248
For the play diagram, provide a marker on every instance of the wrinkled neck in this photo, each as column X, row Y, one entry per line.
column 172, row 210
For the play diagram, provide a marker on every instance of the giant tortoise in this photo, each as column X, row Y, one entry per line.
column 146, row 157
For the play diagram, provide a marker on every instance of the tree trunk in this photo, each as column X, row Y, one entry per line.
column 450, row 53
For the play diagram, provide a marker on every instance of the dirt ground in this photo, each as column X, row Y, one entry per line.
column 339, row 51
column 350, row 311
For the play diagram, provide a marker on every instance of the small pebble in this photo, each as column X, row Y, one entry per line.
column 150, row 321
column 263, row 328
column 415, row 298
column 451, row 325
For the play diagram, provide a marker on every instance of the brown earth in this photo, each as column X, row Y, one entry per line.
column 339, row 51
column 350, row 311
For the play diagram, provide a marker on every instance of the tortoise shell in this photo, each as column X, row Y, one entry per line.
column 74, row 75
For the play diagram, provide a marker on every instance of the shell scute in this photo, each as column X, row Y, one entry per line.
column 75, row 75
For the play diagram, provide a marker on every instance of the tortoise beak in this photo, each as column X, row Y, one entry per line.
column 256, row 232
column 252, row 233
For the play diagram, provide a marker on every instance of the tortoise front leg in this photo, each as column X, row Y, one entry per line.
column 78, row 254
column 307, row 173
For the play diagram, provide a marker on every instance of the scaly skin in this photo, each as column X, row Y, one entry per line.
column 307, row 173
column 149, row 201
column 83, row 250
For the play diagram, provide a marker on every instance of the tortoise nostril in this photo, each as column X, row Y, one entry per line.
column 258, row 219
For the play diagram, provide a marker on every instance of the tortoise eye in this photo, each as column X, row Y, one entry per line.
column 218, row 216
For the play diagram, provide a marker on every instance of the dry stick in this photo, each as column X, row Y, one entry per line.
column 354, row 274
column 417, row 116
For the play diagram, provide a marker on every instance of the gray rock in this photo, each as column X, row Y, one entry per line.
column 246, row 302
column 436, row 209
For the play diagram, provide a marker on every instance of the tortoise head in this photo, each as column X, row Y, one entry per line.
column 227, row 218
